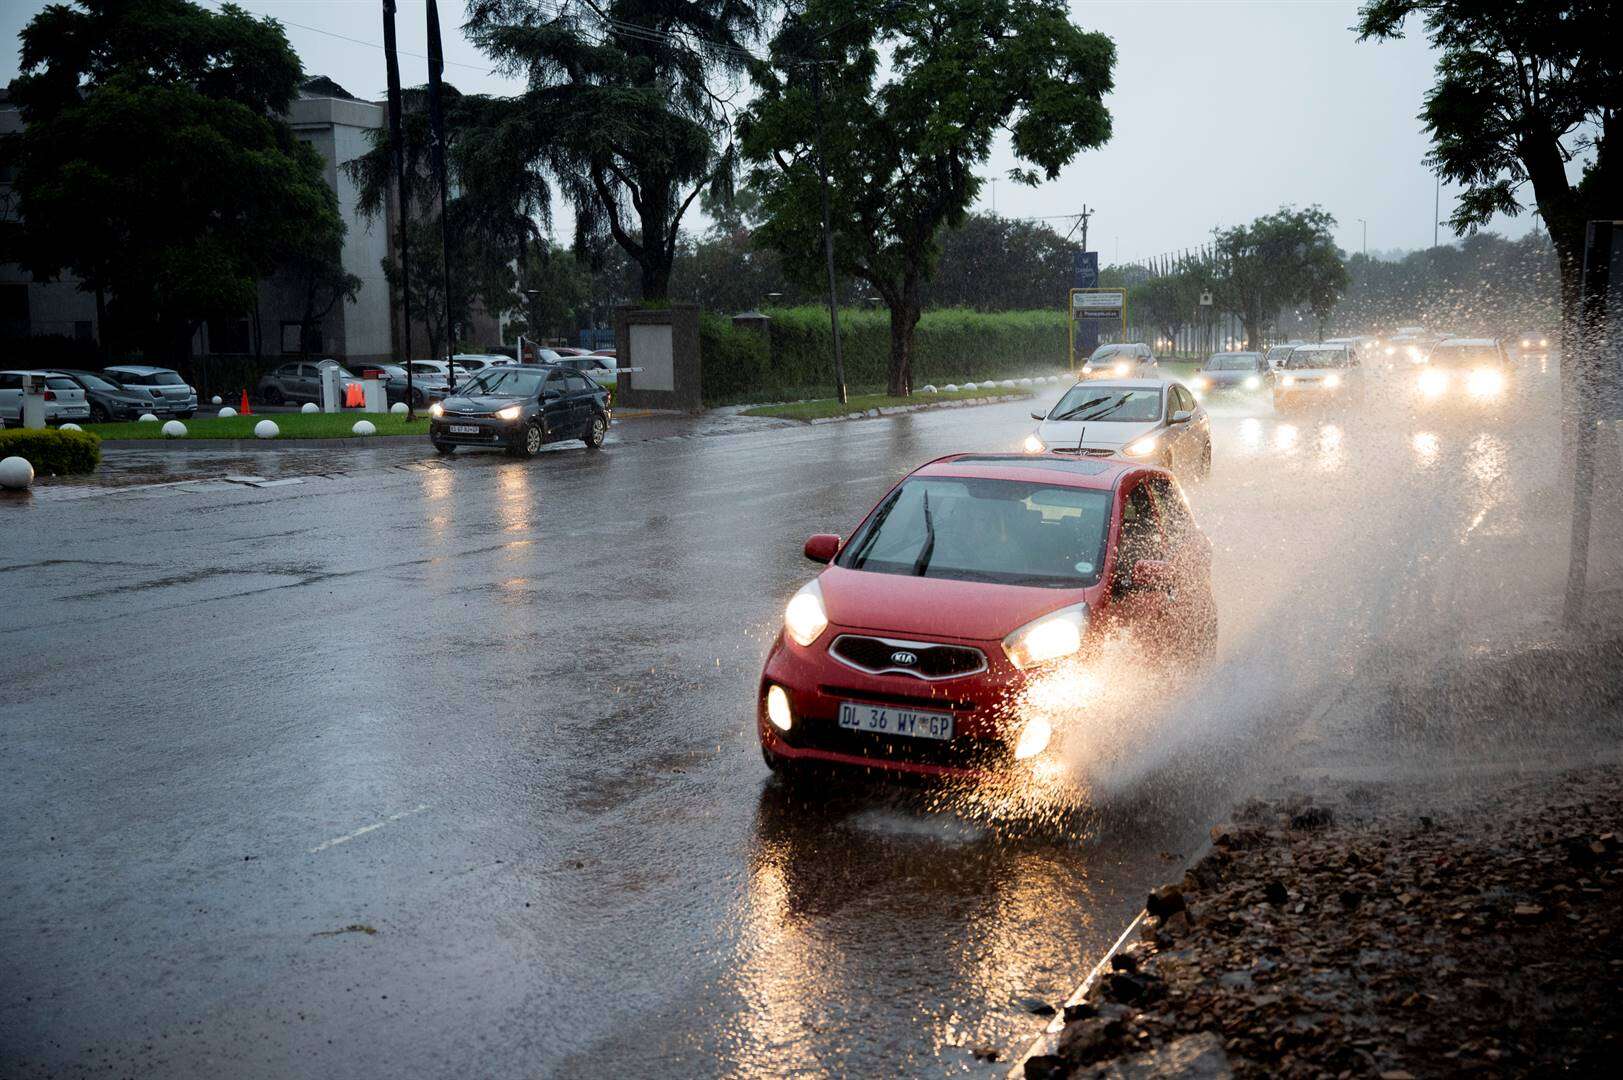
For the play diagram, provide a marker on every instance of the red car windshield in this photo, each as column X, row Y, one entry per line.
column 1007, row 532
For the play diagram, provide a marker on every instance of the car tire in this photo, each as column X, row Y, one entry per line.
column 443, row 449
column 1205, row 468
column 529, row 444
column 99, row 413
column 185, row 415
column 271, row 396
column 790, row 774
column 597, row 432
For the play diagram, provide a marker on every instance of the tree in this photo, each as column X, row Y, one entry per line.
column 900, row 141
column 1524, row 88
column 622, row 108
column 155, row 164
column 994, row 263
column 478, row 275
column 1283, row 259
column 316, row 269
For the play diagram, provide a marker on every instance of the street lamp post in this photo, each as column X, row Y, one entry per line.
column 1365, row 226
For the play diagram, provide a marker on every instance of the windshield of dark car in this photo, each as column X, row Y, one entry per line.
column 1233, row 362
column 1105, row 352
column 1463, row 356
column 96, row 382
column 977, row 529
column 1084, row 402
column 1321, row 358
column 506, row 382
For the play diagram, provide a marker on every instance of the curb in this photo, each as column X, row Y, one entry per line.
column 277, row 443
column 1049, row 1039
column 897, row 410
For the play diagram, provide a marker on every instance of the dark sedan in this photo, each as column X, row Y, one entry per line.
column 520, row 408
column 1234, row 372
column 107, row 399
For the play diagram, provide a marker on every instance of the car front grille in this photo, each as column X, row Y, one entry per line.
column 896, row 656
column 1084, row 451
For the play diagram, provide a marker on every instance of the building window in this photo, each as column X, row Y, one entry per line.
column 290, row 338
column 229, row 336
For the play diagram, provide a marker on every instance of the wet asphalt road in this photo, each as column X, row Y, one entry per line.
column 500, row 714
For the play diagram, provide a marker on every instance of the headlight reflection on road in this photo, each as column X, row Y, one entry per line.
column 1251, row 433
column 1426, row 446
column 1285, row 436
column 1329, row 447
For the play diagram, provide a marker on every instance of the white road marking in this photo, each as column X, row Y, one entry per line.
column 364, row 829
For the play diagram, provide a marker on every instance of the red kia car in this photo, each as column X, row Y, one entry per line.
column 974, row 575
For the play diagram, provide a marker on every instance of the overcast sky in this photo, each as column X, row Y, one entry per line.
column 1223, row 110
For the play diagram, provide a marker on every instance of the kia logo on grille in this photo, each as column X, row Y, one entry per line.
column 904, row 658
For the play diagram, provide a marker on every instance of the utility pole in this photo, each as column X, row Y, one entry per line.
column 1365, row 226
column 1436, row 206
column 1086, row 213
column 828, row 239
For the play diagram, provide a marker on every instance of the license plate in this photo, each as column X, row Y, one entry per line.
column 888, row 721
column 464, row 429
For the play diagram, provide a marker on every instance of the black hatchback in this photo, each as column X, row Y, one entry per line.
column 519, row 408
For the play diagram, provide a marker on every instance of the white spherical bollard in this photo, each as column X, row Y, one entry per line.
column 215, row 399
column 971, row 386
column 16, row 473
column 228, row 411
column 1025, row 382
column 929, row 389
column 310, row 406
column 69, row 427
column 147, row 416
column 399, row 408
column 266, row 429
column 174, row 429
column 364, row 427
column 952, row 388
column 1007, row 384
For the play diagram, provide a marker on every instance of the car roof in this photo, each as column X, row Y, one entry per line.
column 1473, row 342
column 1099, row 474
column 138, row 369
column 29, row 371
column 1328, row 346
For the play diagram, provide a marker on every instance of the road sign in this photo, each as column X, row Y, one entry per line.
column 1086, row 269
column 1205, row 299
column 1098, row 303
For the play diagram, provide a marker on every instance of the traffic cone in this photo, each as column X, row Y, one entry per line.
column 246, row 409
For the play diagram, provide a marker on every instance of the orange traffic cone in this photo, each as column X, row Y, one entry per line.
column 246, row 409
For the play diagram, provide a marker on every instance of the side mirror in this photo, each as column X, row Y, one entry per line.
column 1149, row 575
column 550, row 395
column 822, row 547
column 1039, row 416
column 1182, row 416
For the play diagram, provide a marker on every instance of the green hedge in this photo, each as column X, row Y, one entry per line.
column 52, row 452
column 950, row 345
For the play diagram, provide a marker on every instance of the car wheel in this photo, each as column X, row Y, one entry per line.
column 443, row 449
column 271, row 396
column 418, row 398
column 1205, row 461
column 99, row 413
column 789, row 773
column 185, row 415
column 530, row 444
column 597, row 432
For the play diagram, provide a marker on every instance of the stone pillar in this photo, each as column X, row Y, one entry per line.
column 657, row 352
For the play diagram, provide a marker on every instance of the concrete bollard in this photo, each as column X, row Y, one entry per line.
column 16, row 473
column 266, row 429
column 364, row 427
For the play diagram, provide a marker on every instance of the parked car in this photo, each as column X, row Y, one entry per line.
column 472, row 362
column 1465, row 371
column 1133, row 360
column 1319, row 375
column 520, row 408
column 64, row 398
column 107, row 400
column 975, row 578
column 1142, row 419
column 165, row 386
column 1234, row 372
column 300, row 381
column 600, row 369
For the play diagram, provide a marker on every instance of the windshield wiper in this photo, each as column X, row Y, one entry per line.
column 922, row 563
column 1093, row 416
column 859, row 556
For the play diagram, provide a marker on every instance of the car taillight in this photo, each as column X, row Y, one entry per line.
column 50, row 395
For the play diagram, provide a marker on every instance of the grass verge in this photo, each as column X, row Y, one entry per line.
column 826, row 407
column 292, row 425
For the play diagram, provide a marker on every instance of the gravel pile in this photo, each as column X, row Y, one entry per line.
column 1485, row 939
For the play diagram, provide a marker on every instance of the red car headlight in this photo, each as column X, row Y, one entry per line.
column 1057, row 634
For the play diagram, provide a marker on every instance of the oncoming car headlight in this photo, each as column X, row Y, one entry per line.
column 1033, row 445
column 1201, row 382
column 804, row 619
column 1087, row 369
column 436, row 410
column 1252, row 382
column 1057, row 634
column 1485, row 382
column 1331, row 381
column 1289, row 380
column 1433, row 382
column 510, row 413
column 1140, row 447
column 1122, row 369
